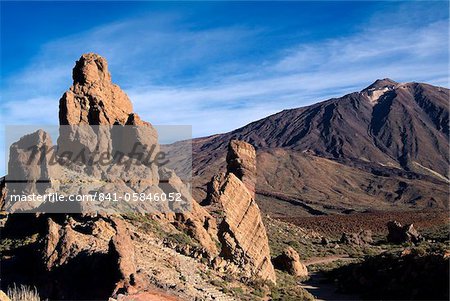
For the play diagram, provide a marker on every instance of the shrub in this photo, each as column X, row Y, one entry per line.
column 23, row 293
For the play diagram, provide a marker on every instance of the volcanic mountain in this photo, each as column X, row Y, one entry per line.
column 384, row 147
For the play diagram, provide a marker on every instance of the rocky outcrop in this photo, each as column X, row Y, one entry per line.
column 400, row 234
column 241, row 232
column 97, row 117
column 29, row 170
column 104, row 242
column 289, row 261
column 189, row 216
column 89, row 253
column 93, row 99
column 359, row 239
column 121, row 249
column 241, row 161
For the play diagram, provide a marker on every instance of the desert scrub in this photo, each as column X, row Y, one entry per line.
column 145, row 223
column 394, row 276
column 8, row 244
column 288, row 289
column 325, row 267
column 180, row 238
column 23, row 293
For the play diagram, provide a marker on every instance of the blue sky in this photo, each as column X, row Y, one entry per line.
column 217, row 65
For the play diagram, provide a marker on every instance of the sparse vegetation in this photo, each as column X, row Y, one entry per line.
column 287, row 289
column 414, row 274
column 7, row 244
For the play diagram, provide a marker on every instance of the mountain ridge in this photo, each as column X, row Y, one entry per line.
column 390, row 128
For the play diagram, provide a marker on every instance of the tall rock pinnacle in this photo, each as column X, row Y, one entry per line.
column 93, row 99
column 91, row 106
column 241, row 232
column 241, row 161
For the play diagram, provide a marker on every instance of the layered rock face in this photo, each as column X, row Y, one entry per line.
column 241, row 231
column 289, row 261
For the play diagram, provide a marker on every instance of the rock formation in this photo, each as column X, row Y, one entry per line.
column 241, row 232
column 289, row 261
column 105, row 242
column 241, row 161
column 122, row 250
column 400, row 234
column 93, row 99
column 362, row 238
column 96, row 117
column 28, row 167
column 195, row 221
column 92, row 255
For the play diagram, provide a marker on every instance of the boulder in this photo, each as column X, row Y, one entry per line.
column 362, row 238
column 121, row 249
column 400, row 234
column 289, row 261
column 97, row 254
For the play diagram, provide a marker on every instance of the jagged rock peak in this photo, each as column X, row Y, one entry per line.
column 90, row 68
column 241, row 161
column 93, row 99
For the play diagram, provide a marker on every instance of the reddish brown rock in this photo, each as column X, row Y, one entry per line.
column 121, row 249
column 289, row 261
column 93, row 99
column 97, row 119
column 103, row 246
column 242, row 233
column 65, row 241
column 191, row 217
column 241, row 161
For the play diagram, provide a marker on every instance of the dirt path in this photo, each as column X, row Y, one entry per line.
column 318, row 285
column 324, row 290
column 328, row 259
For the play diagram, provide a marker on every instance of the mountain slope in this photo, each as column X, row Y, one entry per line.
column 388, row 129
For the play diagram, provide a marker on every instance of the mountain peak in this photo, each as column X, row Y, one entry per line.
column 381, row 83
